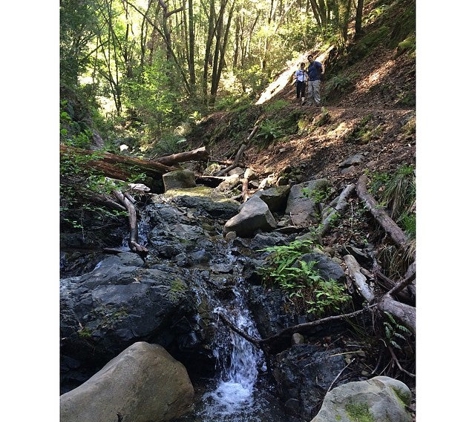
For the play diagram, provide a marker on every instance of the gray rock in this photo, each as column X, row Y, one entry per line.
column 254, row 215
column 142, row 384
column 178, row 179
column 300, row 205
column 326, row 266
column 380, row 399
column 354, row 160
column 275, row 197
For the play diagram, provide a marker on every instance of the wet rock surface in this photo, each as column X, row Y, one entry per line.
column 111, row 301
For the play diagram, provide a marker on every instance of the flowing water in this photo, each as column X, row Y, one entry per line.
column 241, row 392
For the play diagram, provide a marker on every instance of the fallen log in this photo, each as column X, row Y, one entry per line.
column 404, row 313
column 121, row 165
column 198, row 154
column 331, row 214
column 358, row 278
column 380, row 215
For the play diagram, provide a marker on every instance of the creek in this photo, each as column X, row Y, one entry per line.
column 191, row 276
column 242, row 390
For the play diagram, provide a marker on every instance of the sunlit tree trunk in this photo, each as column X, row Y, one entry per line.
column 191, row 46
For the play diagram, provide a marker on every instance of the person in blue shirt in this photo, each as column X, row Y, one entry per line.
column 301, row 78
column 315, row 72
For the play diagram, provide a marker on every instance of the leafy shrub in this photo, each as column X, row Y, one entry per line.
column 305, row 287
column 339, row 83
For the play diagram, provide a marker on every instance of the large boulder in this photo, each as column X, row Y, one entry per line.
column 275, row 197
column 303, row 373
column 144, row 383
column 179, row 179
column 301, row 204
column 254, row 215
column 121, row 302
column 380, row 399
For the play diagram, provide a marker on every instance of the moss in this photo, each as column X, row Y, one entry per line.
column 85, row 333
column 177, row 290
column 359, row 412
column 201, row 191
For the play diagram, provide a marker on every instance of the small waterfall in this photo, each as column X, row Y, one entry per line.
column 233, row 398
column 241, row 391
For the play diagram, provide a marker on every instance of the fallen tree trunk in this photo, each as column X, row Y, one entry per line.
column 333, row 212
column 358, row 278
column 121, row 164
column 198, row 154
column 380, row 215
column 404, row 313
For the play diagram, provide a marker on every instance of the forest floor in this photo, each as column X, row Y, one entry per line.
column 371, row 120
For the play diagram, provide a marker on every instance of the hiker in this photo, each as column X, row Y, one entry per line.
column 315, row 73
column 301, row 78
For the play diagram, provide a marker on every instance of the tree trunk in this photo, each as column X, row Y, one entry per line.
column 118, row 166
column 380, row 215
column 199, row 154
column 359, row 19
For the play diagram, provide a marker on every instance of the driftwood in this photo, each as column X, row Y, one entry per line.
column 380, row 215
column 198, row 154
column 333, row 212
column 133, row 223
column 274, row 344
column 239, row 154
column 358, row 278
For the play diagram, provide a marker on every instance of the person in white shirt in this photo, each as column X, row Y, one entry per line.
column 301, row 78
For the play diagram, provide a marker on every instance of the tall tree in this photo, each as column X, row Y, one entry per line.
column 359, row 18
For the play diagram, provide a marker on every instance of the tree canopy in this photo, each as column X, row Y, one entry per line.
column 160, row 62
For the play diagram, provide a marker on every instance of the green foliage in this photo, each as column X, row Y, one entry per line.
column 329, row 296
column 364, row 131
column 269, row 130
column 318, row 195
column 85, row 333
column 396, row 192
column 408, row 44
column 168, row 144
column 275, row 106
column 339, row 83
column 324, row 118
column 177, row 290
column 235, row 103
column 301, row 281
column 78, row 27
column 408, row 223
column 374, row 14
column 394, row 333
column 153, row 100
column 73, row 132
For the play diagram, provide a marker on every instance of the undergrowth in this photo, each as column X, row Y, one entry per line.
column 302, row 282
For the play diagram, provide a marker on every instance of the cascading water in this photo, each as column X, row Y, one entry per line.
column 233, row 399
column 240, row 392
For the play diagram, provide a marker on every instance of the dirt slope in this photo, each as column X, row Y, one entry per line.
column 370, row 117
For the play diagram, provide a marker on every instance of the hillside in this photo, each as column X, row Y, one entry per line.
column 368, row 108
